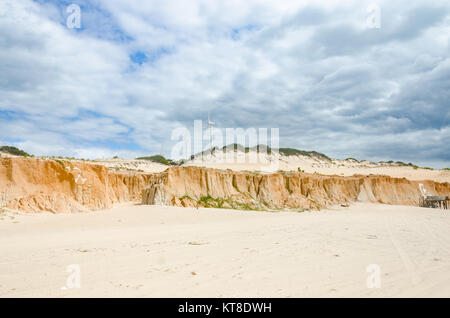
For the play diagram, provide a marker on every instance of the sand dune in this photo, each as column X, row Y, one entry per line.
column 153, row 251
column 314, row 164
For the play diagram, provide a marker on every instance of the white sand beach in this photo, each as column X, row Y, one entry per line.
column 154, row 251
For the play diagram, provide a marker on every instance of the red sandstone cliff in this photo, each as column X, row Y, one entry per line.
column 189, row 186
column 34, row 185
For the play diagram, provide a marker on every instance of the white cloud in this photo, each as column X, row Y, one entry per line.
column 308, row 67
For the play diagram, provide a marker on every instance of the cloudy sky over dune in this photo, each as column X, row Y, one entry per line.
column 136, row 70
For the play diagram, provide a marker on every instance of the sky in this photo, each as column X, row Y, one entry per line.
column 329, row 74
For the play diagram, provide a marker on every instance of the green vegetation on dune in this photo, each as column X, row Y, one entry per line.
column 426, row 168
column 235, row 147
column 297, row 152
column 399, row 163
column 267, row 149
column 14, row 151
column 156, row 158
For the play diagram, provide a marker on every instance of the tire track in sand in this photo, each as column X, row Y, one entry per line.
column 406, row 260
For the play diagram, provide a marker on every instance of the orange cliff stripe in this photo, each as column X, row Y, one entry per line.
column 34, row 185
column 186, row 186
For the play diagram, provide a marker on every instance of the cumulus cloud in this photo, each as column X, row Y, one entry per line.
column 135, row 71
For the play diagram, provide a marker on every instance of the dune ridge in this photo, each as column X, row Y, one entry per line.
column 311, row 162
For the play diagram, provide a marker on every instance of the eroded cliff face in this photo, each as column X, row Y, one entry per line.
column 192, row 186
column 33, row 185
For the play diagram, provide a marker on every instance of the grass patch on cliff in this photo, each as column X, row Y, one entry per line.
column 61, row 163
column 185, row 197
column 210, row 202
column 244, row 206
column 226, row 203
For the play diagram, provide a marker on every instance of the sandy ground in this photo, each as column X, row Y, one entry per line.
column 152, row 251
column 146, row 166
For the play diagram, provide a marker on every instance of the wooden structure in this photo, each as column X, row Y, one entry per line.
column 437, row 202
